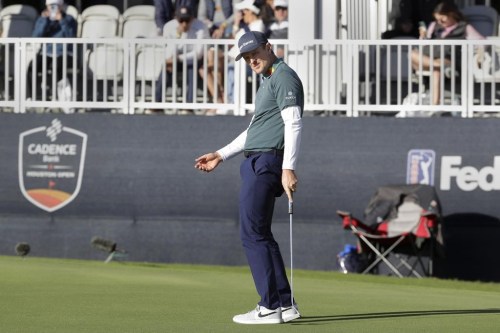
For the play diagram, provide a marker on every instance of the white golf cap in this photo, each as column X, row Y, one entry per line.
column 280, row 3
column 54, row 2
column 247, row 4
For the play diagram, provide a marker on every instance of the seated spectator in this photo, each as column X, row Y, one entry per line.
column 449, row 24
column 266, row 11
column 165, row 11
column 279, row 28
column 218, row 15
column 247, row 19
column 184, row 26
column 53, row 22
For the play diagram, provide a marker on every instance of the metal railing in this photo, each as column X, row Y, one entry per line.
column 346, row 77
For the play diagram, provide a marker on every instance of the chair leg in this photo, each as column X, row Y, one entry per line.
column 382, row 256
column 405, row 263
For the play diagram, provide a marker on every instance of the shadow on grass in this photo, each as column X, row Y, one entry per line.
column 383, row 315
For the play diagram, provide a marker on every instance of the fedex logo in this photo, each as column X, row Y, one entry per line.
column 469, row 178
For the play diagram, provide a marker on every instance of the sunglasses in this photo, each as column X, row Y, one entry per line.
column 280, row 8
column 184, row 20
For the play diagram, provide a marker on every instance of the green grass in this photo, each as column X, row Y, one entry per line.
column 71, row 296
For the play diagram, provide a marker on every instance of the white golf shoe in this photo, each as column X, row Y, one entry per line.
column 289, row 313
column 260, row 315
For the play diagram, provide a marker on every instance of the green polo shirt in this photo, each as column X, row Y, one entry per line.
column 278, row 91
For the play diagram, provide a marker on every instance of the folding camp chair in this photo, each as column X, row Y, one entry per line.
column 397, row 230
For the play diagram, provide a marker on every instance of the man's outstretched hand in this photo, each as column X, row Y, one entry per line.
column 208, row 162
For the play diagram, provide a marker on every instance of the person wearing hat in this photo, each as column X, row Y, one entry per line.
column 247, row 18
column 279, row 28
column 270, row 145
column 184, row 26
column 52, row 22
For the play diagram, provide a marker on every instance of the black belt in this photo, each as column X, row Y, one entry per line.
column 275, row 152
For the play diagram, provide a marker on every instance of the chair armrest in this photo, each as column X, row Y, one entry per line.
column 342, row 213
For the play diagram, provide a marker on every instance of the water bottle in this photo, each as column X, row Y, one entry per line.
column 54, row 8
column 422, row 30
column 432, row 207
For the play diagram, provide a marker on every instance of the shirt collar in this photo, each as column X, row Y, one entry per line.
column 273, row 68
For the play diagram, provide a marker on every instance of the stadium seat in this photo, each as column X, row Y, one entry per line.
column 147, row 11
column 73, row 11
column 106, row 62
column 100, row 21
column 397, row 230
column 18, row 20
column 150, row 60
column 483, row 18
column 139, row 21
column 15, row 21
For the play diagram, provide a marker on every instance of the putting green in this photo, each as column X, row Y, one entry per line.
column 71, row 296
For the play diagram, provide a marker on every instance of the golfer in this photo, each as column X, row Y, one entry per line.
column 270, row 145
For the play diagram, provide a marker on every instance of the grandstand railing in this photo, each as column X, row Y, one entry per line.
column 345, row 77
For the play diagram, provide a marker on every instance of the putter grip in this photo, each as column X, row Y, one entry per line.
column 290, row 207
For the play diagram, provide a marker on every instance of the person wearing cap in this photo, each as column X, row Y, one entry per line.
column 279, row 28
column 247, row 18
column 165, row 11
column 184, row 26
column 270, row 145
column 53, row 22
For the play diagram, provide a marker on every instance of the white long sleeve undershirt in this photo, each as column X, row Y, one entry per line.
column 293, row 133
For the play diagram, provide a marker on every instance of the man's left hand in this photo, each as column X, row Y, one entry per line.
column 289, row 182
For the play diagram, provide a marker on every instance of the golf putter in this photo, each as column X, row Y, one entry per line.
column 290, row 212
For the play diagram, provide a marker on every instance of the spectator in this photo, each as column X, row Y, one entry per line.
column 165, row 11
column 247, row 19
column 279, row 28
column 266, row 11
column 449, row 24
column 218, row 15
column 53, row 22
column 184, row 26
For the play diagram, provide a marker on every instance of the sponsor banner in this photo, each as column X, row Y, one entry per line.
column 51, row 163
column 143, row 166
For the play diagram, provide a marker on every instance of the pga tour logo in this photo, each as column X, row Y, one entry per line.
column 421, row 165
column 51, row 161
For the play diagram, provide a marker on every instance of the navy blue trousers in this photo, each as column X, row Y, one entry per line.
column 261, row 184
